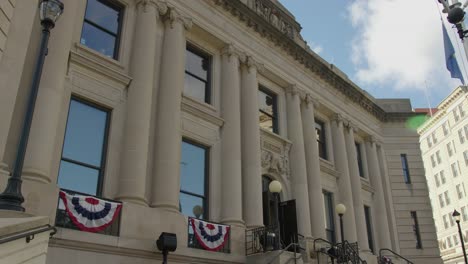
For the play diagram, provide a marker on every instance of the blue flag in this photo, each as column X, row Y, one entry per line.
column 450, row 59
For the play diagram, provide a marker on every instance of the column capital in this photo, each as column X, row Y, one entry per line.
column 231, row 50
column 250, row 62
column 160, row 6
column 371, row 139
column 337, row 118
column 309, row 100
column 172, row 16
column 292, row 89
column 352, row 126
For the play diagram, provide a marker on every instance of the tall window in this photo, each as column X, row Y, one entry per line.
column 321, row 139
column 449, row 149
column 441, row 201
column 404, row 165
column 268, row 112
column 329, row 216
column 436, row 177
column 461, row 136
column 197, row 74
column 454, row 169
column 359, row 159
column 83, row 154
column 459, row 191
column 464, row 213
column 417, row 233
column 447, row 198
column 465, row 156
column 444, row 128
column 102, row 26
column 193, row 180
column 439, row 160
column 446, row 224
column 433, row 161
column 442, row 177
column 429, row 142
column 370, row 235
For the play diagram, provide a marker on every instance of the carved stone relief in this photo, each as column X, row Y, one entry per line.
column 273, row 16
column 275, row 155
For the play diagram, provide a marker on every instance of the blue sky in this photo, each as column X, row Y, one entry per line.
column 390, row 48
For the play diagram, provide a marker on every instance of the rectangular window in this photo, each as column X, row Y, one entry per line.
column 429, row 142
column 434, row 139
column 433, row 161
column 417, row 234
column 446, row 224
column 436, row 177
column 359, row 159
column 454, row 170
column 445, row 128
column 447, row 198
column 464, row 213
column 465, row 156
column 321, row 139
column 455, row 239
column 452, row 222
column 439, row 160
column 455, row 115
column 84, row 148
column 449, row 242
column 441, row 201
column 268, row 112
column 442, row 177
column 101, row 27
column 460, row 109
column 370, row 235
column 404, row 165
column 459, row 191
column 449, row 149
column 197, row 74
column 193, row 180
column 329, row 216
column 461, row 136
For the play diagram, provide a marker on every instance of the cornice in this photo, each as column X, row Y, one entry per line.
column 302, row 55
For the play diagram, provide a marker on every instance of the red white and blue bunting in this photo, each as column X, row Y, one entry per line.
column 210, row 236
column 89, row 213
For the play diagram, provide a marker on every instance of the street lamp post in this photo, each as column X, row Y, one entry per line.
column 456, row 16
column 275, row 188
column 11, row 198
column 341, row 210
column 456, row 216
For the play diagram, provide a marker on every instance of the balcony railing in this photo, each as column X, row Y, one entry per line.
column 194, row 243
column 62, row 218
column 261, row 239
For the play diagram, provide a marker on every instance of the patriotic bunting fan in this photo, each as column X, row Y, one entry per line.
column 211, row 236
column 90, row 213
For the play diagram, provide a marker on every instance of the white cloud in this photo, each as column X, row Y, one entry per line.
column 315, row 47
column 398, row 42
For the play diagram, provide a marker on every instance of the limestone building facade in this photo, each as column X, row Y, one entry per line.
column 445, row 155
column 182, row 109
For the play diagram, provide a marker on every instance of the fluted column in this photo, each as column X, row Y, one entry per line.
column 40, row 153
column 251, row 156
column 166, row 180
column 231, row 165
column 314, row 178
column 344, row 182
column 355, row 178
column 380, row 209
column 297, row 161
column 132, row 181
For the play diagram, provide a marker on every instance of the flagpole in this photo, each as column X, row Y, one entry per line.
column 426, row 93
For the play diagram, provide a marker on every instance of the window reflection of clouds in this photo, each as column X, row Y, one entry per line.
column 192, row 177
column 84, row 137
column 103, row 15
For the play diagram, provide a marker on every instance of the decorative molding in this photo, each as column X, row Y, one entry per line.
column 159, row 6
column 251, row 63
column 352, row 126
column 275, row 154
column 172, row 16
column 301, row 54
column 311, row 101
column 337, row 118
column 202, row 111
column 230, row 50
column 291, row 89
column 371, row 139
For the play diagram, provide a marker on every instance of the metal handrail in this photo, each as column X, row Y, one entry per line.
column 347, row 246
column 394, row 253
column 296, row 245
column 28, row 234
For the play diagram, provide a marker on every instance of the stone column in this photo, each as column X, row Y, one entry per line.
column 12, row 67
column 314, row 178
column 40, row 153
column 380, row 209
column 297, row 160
column 388, row 197
column 134, row 161
column 344, row 182
column 251, row 153
column 355, row 178
column 166, row 180
column 231, row 165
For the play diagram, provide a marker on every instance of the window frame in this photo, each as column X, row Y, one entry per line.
column 416, row 229
column 275, row 116
column 323, row 135
column 115, row 5
column 206, row 184
column 405, row 168
column 102, row 168
column 328, row 198
column 359, row 159
column 369, row 227
column 203, row 54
